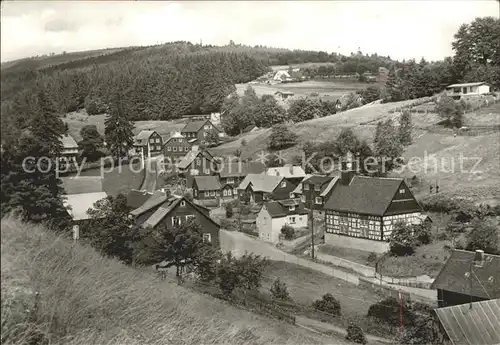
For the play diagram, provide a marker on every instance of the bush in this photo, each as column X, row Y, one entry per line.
column 227, row 224
column 372, row 257
column 280, row 291
column 288, row 232
column 483, row 235
column 422, row 233
column 402, row 240
column 328, row 304
column 388, row 311
column 355, row 334
column 281, row 138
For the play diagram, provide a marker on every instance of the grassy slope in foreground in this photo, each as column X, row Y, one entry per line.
column 88, row 299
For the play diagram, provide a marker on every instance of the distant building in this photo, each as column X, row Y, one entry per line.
column 175, row 147
column 455, row 284
column 281, row 76
column 233, row 173
column 275, row 214
column 148, row 142
column 206, row 190
column 163, row 208
column 196, row 162
column 283, row 94
column 250, row 128
column 293, row 173
column 262, row 187
column 70, row 148
column 213, row 117
column 477, row 323
column 317, row 189
column 196, row 132
column 468, row 89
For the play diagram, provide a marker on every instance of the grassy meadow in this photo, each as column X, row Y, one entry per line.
column 84, row 298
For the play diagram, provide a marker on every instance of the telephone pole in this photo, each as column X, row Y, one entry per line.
column 312, row 222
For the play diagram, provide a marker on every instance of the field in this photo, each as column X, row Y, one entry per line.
column 488, row 116
column 329, row 89
column 84, row 298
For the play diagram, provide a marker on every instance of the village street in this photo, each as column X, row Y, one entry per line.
column 238, row 243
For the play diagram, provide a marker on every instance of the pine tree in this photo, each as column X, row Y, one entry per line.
column 405, row 128
column 118, row 129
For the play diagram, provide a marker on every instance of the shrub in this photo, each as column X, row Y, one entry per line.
column 280, row 291
column 328, row 304
column 227, row 224
column 388, row 311
column 402, row 241
column 288, row 232
column 243, row 142
column 483, row 235
column 281, row 138
column 372, row 257
column 422, row 233
column 355, row 334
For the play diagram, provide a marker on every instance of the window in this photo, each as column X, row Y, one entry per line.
column 318, row 200
column 189, row 217
column 305, row 186
column 158, row 147
column 198, row 161
column 169, row 148
column 207, row 171
column 183, row 203
column 195, row 192
column 151, row 141
column 291, row 208
column 212, row 193
column 303, row 198
column 174, row 148
column 224, row 192
column 157, row 140
column 206, row 194
column 230, row 180
column 292, row 195
column 179, row 140
column 317, row 188
column 402, row 191
column 186, row 149
column 292, row 220
column 283, row 184
column 176, row 221
column 205, row 134
column 207, row 238
column 265, row 197
column 235, row 191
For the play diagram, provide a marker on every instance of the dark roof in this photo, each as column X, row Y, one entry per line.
column 453, row 275
column 143, row 137
column 237, row 169
column 364, row 195
column 191, row 156
column 168, row 205
column 249, row 128
column 277, row 209
column 477, row 325
column 318, row 179
column 193, row 126
column 207, row 182
column 136, row 198
column 154, row 200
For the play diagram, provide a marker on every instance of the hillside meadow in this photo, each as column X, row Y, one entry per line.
column 84, row 298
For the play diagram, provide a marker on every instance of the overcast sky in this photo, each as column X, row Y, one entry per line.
column 401, row 29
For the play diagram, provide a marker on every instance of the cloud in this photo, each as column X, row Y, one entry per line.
column 403, row 29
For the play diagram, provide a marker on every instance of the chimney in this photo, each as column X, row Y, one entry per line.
column 479, row 258
column 347, row 169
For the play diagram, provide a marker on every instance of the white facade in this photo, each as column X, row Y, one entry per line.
column 470, row 89
column 270, row 228
column 407, row 218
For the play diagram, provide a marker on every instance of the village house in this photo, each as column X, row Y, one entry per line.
column 293, row 174
column 283, row 94
column 281, row 76
column 316, row 190
column 275, row 214
column 262, row 187
column 175, row 147
column 468, row 276
column 148, row 143
column 206, row 190
column 197, row 131
column 70, row 149
column 297, row 193
column 361, row 211
column 162, row 208
column 472, row 324
column 196, row 162
column 232, row 173
column 250, row 128
column 80, row 195
column 468, row 89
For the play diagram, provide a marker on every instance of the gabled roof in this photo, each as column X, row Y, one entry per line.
column 287, row 171
column 80, row 203
column 327, row 188
column 190, row 157
column 175, row 135
column 364, row 195
column 136, row 198
column 154, row 200
column 318, row 179
column 207, row 182
column 142, row 137
column 298, row 189
column 261, row 182
column 193, row 126
column 486, row 279
column 168, row 205
column 477, row 325
column 467, row 84
column 278, row 209
column 238, row 169
column 68, row 142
